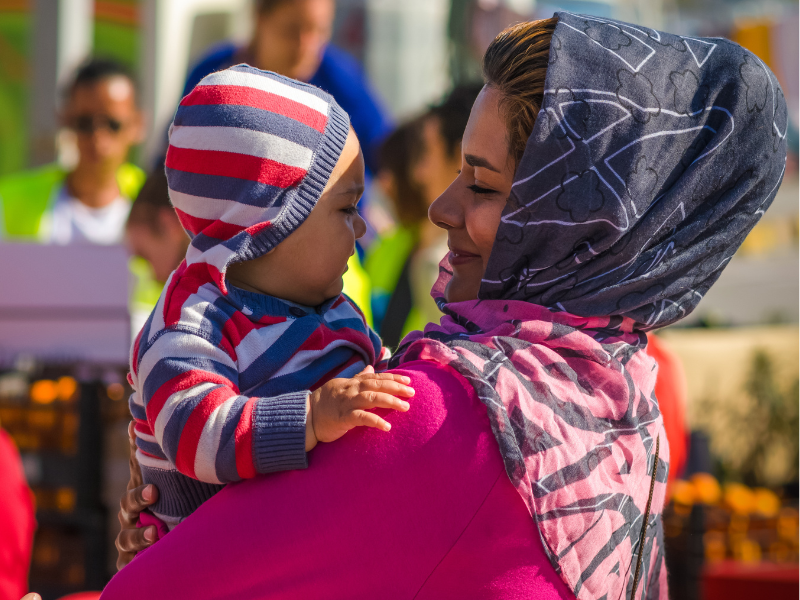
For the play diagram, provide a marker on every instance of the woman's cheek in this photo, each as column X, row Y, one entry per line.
column 483, row 230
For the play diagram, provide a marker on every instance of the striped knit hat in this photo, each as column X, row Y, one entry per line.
column 249, row 154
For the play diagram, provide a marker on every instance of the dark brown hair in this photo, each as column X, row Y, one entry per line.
column 264, row 7
column 397, row 155
column 152, row 199
column 515, row 64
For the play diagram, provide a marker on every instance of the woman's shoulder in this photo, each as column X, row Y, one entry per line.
column 374, row 515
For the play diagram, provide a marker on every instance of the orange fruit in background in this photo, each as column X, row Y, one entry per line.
column 746, row 550
column 44, row 391
column 67, row 386
column 739, row 498
column 767, row 502
column 706, row 488
column 682, row 492
column 115, row 391
column 788, row 519
column 714, row 545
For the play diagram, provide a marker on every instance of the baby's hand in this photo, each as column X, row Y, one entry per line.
column 341, row 404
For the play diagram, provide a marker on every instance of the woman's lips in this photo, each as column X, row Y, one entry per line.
column 460, row 257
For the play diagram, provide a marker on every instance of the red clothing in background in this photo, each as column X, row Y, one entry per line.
column 672, row 393
column 425, row 511
column 17, row 523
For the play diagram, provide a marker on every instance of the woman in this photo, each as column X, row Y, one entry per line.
column 609, row 171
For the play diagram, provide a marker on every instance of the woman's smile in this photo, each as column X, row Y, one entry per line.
column 460, row 257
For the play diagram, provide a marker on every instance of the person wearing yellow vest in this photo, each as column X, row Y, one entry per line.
column 90, row 203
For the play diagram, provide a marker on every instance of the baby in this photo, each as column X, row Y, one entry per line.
column 253, row 354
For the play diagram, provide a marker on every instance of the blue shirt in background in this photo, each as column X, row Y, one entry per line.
column 341, row 76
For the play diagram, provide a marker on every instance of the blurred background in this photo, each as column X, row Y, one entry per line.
column 90, row 136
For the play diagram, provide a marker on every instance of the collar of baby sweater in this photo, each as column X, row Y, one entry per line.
column 255, row 305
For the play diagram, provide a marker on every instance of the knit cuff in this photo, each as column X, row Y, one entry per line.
column 279, row 433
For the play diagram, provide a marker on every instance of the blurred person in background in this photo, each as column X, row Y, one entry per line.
column 419, row 161
column 387, row 257
column 89, row 204
column 17, row 522
column 153, row 231
column 672, row 393
column 157, row 241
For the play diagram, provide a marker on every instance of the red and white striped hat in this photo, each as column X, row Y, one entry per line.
column 249, row 155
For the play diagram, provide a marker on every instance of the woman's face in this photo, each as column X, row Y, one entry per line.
column 471, row 207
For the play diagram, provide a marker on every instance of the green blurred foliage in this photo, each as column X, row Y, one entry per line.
column 763, row 427
column 120, row 42
column 15, row 30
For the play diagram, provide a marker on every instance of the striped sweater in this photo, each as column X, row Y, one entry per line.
column 221, row 382
column 221, row 375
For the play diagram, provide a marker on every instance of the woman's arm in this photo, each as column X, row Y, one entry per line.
column 374, row 513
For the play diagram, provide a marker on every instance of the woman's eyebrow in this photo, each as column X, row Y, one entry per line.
column 479, row 161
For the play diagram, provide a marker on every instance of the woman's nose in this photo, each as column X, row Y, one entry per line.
column 446, row 211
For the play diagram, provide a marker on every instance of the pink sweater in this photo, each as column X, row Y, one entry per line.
column 425, row 511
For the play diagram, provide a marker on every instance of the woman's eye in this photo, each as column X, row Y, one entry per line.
column 481, row 190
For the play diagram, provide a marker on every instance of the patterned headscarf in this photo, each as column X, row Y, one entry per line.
column 652, row 157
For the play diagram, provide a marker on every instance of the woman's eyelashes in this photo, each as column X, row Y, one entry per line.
column 480, row 190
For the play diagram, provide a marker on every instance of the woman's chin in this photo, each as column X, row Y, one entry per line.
column 462, row 289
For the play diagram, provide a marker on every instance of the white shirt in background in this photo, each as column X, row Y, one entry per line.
column 72, row 222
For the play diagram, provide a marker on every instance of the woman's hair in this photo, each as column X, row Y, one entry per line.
column 515, row 64
column 396, row 156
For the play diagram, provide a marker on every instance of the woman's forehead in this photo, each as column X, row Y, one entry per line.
column 485, row 135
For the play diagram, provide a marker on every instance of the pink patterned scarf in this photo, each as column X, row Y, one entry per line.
column 571, row 403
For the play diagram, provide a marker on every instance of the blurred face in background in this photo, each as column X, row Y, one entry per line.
column 436, row 167
column 291, row 36
column 160, row 240
column 106, row 122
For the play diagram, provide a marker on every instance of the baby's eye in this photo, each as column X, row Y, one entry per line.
column 351, row 210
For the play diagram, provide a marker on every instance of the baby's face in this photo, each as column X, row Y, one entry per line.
column 307, row 266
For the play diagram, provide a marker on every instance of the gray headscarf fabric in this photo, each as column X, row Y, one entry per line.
column 652, row 158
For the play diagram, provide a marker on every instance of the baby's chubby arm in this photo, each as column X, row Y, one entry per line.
column 187, row 398
column 188, row 404
column 342, row 404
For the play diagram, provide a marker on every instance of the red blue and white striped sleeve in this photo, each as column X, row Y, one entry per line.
column 201, row 421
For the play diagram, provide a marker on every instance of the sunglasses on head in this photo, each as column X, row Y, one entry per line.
column 88, row 124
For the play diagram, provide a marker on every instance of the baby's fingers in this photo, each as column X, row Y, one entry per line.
column 362, row 418
column 381, row 400
column 372, row 376
column 387, row 387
